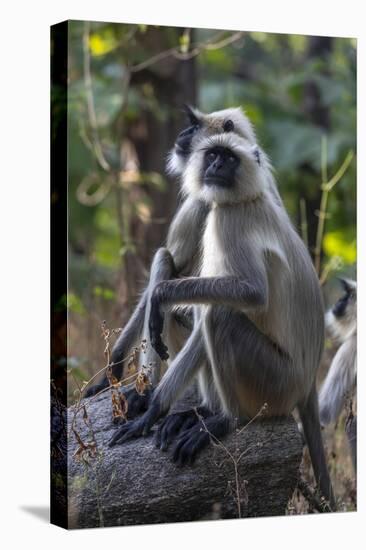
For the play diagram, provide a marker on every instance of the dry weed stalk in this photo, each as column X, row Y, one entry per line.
column 138, row 378
column 240, row 486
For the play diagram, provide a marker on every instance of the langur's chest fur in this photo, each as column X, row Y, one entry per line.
column 213, row 255
column 227, row 232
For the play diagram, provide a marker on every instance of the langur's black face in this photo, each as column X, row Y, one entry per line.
column 219, row 167
column 340, row 308
column 184, row 139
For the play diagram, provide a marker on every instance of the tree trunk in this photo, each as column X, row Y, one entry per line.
column 137, row 484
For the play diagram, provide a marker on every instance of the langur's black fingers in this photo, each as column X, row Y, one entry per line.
column 160, row 348
column 172, row 425
column 161, row 433
column 156, row 325
column 178, row 446
column 156, row 319
column 196, row 447
column 189, row 423
column 166, row 428
column 170, row 429
column 192, row 444
column 158, row 435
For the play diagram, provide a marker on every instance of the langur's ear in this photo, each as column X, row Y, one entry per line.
column 347, row 285
column 191, row 114
column 256, row 154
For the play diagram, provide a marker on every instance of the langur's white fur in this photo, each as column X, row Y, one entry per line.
column 340, row 381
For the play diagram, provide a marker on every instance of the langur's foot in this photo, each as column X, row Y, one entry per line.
column 177, row 423
column 192, row 441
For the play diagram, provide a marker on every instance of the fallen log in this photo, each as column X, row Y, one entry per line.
column 253, row 473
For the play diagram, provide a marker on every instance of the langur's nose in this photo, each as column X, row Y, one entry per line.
column 218, row 164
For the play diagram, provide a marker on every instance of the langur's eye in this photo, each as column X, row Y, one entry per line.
column 232, row 159
column 211, row 157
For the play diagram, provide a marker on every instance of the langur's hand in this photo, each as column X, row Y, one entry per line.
column 156, row 325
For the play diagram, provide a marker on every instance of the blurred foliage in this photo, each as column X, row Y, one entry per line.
column 267, row 74
column 339, row 243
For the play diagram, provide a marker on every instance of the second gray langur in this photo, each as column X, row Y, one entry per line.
column 340, row 382
column 181, row 256
column 259, row 323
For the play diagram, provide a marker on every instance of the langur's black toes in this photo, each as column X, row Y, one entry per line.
column 172, row 425
column 189, row 445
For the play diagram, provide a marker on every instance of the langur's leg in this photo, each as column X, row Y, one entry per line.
column 252, row 370
column 177, row 328
column 176, row 379
column 268, row 372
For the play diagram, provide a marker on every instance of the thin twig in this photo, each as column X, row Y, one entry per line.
column 185, row 56
column 234, row 460
column 326, row 187
column 261, row 411
column 90, row 101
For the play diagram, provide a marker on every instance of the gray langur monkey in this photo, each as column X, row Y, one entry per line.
column 181, row 255
column 340, row 382
column 258, row 330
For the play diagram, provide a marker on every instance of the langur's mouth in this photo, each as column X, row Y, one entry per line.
column 217, row 181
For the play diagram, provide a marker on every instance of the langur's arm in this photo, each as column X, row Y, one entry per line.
column 249, row 291
column 185, row 234
column 162, row 268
